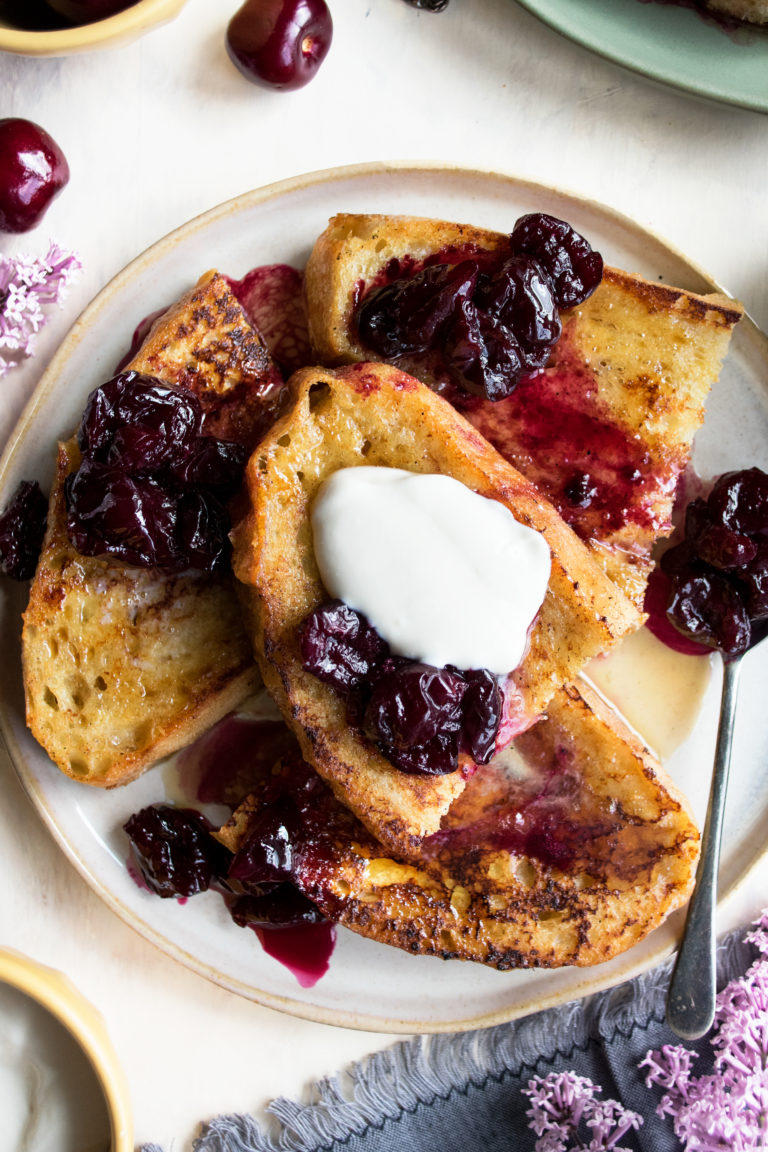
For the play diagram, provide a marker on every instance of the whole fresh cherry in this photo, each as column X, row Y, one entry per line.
column 88, row 11
column 33, row 170
column 280, row 43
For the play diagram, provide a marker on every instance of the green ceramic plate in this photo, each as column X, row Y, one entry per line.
column 667, row 43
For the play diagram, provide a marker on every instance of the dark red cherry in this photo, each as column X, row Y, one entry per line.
column 413, row 703
column 715, row 543
column 484, row 357
column 88, row 11
column 280, row 43
column 22, row 528
column 705, row 607
column 740, row 500
column 175, row 851
column 571, row 263
column 33, row 170
column 409, row 315
column 481, row 715
column 339, row 645
column 519, row 295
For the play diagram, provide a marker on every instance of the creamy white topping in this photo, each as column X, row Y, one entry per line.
column 445, row 575
column 50, row 1098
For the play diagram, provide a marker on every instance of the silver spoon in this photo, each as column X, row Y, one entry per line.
column 692, row 989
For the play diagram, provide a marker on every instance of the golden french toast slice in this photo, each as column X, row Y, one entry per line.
column 123, row 665
column 605, row 429
column 570, row 851
column 748, row 11
column 372, row 414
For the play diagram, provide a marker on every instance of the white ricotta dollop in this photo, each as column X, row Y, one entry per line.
column 445, row 575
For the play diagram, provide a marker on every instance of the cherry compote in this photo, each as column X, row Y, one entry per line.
column 175, row 851
column 420, row 717
column 493, row 325
column 718, row 573
column 412, row 313
column 151, row 488
column 22, row 528
column 30, row 15
column 33, row 171
column 339, row 646
column 88, row 11
column 573, row 267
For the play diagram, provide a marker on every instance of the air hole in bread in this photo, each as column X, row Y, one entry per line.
column 525, row 873
column 50, row 699
column 142, row 733
column 262, row 463
column 300, row 477
column 365, row 448
column 583, row 880
column 100, row 684
column 460, row 899
column 446, row 940
column 79, row 692
column 343, row 888
column 551, row 917
column 284, row 441
column 78, row 767
column 317, row 394
column 88, row 609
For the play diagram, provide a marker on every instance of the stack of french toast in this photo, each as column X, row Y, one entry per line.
column 571, row 843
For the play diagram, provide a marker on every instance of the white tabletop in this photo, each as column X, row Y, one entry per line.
column 159, row 131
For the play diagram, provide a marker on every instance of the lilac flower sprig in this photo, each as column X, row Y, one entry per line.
column 728, row 1110
column 29, row 284
column 566, row 1116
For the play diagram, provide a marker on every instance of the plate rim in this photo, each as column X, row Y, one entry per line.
column 589, row 982
column 597, row 44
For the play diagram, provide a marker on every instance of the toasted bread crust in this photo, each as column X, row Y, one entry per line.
column 750, row 11
column 504, row 908
column 123, row 665
column 635, row 360
column 376, row 415
column 205, row 343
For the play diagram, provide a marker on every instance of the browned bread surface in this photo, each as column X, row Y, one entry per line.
column 123, row 665
column 605, row 429
column 633, row 852
column 375, row 415
column 750, row 11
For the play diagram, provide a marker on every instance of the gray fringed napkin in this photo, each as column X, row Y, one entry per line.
column 463, row 1092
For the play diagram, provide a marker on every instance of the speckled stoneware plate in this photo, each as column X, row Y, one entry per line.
column 674, row 45
column 368, row 985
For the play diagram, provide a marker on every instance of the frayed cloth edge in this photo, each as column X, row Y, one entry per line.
column 418, row 1071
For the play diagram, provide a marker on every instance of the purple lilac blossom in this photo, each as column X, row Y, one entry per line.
column 566, row 1116
column 27, row 285
column 728, row 1110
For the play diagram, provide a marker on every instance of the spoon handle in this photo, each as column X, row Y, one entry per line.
column 692, row 989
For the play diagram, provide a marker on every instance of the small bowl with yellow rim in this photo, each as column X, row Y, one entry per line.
column 128, row 24
column 60, row 1081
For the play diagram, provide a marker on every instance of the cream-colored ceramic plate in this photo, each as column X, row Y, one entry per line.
column 368, row 985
